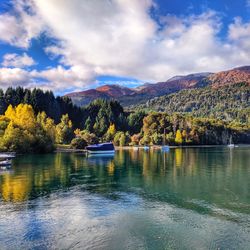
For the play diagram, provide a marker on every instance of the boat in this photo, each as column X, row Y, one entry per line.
column 231, row 145
column 164, row 148
column 7, row 156
column 103, row 148
column 146, row 147
column 5, row 163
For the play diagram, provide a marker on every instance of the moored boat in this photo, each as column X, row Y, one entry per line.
column 164, row 148
column 5, row 163
column 103, row 148
column 7, row 155
column 231, row 144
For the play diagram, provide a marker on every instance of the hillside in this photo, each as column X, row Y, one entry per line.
column 230, row 102
column 134, row 96
column 229, row 77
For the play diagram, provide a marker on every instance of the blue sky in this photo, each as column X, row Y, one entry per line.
column 83, row 44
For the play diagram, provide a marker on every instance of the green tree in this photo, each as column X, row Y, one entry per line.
column 64, row 130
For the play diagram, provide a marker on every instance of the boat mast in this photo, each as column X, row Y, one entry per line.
column 164, row 137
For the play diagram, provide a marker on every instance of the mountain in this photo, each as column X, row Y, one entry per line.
column 115, row 91
column 141, row 94
column 230, row 77
column 104, row 92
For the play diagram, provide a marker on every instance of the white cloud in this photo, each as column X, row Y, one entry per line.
column 119, row 37
column 19, row 28
column 14, row 77
column 62, row 79
column 58, row 79
column 17, row 61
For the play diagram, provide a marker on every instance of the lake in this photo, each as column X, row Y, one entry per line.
column 188, row 198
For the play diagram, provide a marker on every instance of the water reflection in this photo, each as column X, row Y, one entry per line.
column 184, row 192
column 214, row 175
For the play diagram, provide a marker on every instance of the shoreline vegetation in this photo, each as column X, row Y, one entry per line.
column 37, row 122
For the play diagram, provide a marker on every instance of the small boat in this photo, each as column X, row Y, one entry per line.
column 103, row 148
column 7, row 156
column 231, row 145
column 146, row 147
column 164, row 148
column 5, row 163
column 135, row 148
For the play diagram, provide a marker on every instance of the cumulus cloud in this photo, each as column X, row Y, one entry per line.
column 58, row 79
column 117, row 38
column 14, row 77
column 120, row 38
column 20, row 26
column 17, row 61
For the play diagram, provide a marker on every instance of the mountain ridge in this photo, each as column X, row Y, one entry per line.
column 141, row 94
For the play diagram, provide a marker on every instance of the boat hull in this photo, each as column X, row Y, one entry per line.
column 101, row 152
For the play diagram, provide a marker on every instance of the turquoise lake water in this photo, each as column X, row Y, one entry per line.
column 188, row 198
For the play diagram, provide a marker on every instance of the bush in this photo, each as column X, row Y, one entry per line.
column 78, row 143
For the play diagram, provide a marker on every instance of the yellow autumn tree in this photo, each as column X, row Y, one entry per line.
column 22, row 131
column 64, row 130
column 178, row 137
column 47, row 124
column 110, row 134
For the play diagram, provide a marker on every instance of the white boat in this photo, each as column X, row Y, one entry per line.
column 5, row 163
column 231, row 145
column 7, row 156
column 103, row 148
column 164, row 148
column 135, row 148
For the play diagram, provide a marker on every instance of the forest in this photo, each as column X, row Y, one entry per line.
column 229, row 103
column 37, row 121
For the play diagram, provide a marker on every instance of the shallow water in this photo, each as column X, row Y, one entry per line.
column 190, row 198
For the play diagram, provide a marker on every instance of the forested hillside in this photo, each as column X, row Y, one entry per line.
column 34, row 121
column 227, row 103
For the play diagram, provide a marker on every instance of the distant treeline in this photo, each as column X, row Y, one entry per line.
column 58, row 120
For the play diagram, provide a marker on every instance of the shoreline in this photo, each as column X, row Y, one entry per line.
column 155, row 147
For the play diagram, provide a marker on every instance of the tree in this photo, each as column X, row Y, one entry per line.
column 109, row 136
column 178, row 137
column 47, row 124
column 2, row 102
column 78, row 143
column 135, row 139
column 135, row 121
column 121, row 139
column 64, row 130
column 184, row 135
column 20, row 131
